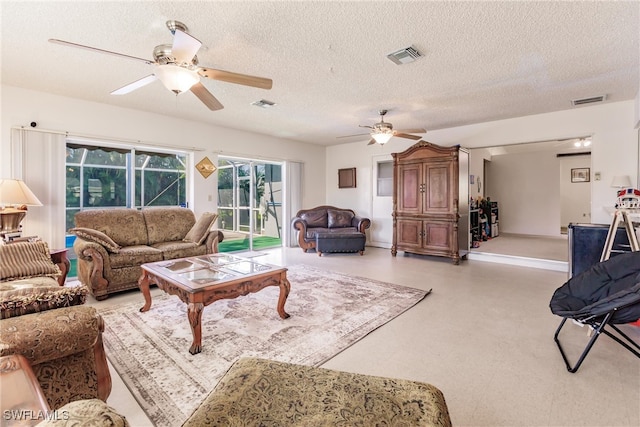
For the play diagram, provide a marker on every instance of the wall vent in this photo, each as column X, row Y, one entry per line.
column 405, row 56
column 263, row 103
column 589, row 100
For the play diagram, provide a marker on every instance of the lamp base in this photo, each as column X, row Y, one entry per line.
column 10, row 219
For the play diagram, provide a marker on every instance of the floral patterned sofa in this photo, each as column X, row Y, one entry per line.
column 111, row 244
column 48, row 325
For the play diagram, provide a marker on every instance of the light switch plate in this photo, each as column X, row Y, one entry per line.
column 596, row 176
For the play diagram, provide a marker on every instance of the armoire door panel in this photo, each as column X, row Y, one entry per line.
column 438, row 188
column 438, row 235
column 409, row 233
column 410, row 197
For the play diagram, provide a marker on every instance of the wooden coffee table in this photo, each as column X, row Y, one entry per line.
column 199, row 281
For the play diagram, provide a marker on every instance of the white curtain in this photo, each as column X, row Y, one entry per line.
column 38, row 158
column 293, row 171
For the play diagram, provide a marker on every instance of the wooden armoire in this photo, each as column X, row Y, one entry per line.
column 431, row 201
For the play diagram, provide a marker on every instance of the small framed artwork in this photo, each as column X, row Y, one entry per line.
column 581, row 175
column 347, row 178
column 471, row 179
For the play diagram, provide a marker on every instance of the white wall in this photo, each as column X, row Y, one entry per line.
column 21, row 106
column 575, row 197
column 525, row 185
column 476, row 168
column 611, row 126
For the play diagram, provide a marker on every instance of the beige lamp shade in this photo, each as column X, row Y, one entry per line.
column 621, row 181
column 14, row 192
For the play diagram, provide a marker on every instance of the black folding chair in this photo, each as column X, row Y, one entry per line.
column 606, row 294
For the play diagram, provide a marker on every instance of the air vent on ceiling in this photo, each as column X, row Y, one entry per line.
column 263, row 103
column 405, row 56
column 589, row 100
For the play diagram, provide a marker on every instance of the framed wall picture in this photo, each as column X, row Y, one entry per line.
column 581, row 175
column 347, row 178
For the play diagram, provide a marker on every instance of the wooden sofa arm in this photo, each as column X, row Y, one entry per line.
column 301, row 225
column 360, row 223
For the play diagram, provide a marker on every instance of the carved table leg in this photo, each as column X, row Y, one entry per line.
column 195, row 320
column 285, row 287
column 143, row 284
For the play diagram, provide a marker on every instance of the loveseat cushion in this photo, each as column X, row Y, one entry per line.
column 339, row 219
column 126, row 227
column 26, row 296
column 24, row 260
column 200, row 229
column 167, row 224
column 134, row 256
column 180, row 249
column 98, row 237
column 315, row 218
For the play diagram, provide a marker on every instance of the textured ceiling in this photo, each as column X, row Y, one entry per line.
column 482, row 61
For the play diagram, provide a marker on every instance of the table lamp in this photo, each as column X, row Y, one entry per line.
column 15, row 196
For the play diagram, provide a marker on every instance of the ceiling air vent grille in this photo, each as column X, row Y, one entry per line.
column 590, row 100
column 263, row 103
column 405, row 56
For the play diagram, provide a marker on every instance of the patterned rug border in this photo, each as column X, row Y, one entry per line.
column 129, row 336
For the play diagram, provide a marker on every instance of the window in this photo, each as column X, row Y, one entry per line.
column 385, row 178
column 102, row 177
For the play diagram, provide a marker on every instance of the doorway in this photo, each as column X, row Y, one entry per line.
column 249, row 204
column 530, row 183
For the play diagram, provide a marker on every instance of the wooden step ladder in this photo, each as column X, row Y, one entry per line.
column 620, row 215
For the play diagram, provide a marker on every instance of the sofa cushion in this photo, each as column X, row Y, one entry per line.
column 315, row 218
column 339, row 219
column 126, row 227
column 27, row 296
column 98, row 237
column 134, row 255
column 180, row 249
column 167, row 224
column 200, row 229
column 26, row 259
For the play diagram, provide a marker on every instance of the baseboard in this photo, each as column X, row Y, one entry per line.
column 544, row 264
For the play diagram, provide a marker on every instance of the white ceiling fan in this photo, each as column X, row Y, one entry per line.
column 382, row 131
column 176, row 66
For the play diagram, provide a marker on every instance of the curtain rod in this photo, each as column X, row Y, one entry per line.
column 109, row 139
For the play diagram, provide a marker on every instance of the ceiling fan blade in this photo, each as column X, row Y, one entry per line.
column 417, row 130
column 241, row 79
column 206, row 97
column 95, row 49
column 349, row 136
column 135, row 85
column 373, row 141
column 185, row 46
column 406, row 135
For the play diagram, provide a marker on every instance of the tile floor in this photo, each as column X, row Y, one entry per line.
column 484, row 337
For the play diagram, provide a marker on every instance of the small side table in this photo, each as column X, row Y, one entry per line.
column 59, row 257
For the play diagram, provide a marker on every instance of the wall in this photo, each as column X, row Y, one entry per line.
column 575, row 197
column 22, row 106
column 614, row 150
column 476, row 168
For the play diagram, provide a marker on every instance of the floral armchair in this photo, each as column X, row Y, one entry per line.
column 48, row 325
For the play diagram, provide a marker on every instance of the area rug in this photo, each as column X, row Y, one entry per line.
column 329, row 312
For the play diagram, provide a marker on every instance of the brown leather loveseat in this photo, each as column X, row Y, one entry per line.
column 340, row 228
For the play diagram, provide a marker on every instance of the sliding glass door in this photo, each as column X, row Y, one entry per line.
column 249, row 203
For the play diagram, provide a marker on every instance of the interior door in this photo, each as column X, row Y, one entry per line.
column 380, row 234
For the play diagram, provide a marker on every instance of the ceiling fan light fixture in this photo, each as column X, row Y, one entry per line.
column 382, row 137
column 176, row 79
